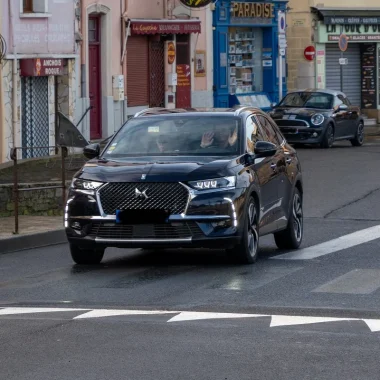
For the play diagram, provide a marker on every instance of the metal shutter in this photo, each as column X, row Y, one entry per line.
column 137, row 71
column 351, row 72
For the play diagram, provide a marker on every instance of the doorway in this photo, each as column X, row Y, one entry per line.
column 157, row 72
column 183, row 95
column 95, row 86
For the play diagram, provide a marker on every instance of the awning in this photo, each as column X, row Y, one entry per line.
column 369, row 16
column 139, row 26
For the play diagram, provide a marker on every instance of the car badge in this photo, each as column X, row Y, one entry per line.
column 143, row 176
column 141, row 194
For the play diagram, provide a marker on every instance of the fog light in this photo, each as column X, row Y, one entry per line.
column 222, row 224
column 315, row 134
column 76, row 226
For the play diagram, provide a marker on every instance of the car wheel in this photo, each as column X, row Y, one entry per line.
column 246, row 251
column 328, row 137
column 359, row 136
column 86, row 256
column 291, row 237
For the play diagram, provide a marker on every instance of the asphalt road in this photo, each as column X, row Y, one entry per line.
column 180, row 314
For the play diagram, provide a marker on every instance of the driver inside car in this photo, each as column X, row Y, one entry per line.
column 222, row 137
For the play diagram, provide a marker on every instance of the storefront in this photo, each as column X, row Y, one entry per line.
column 149, row 69
column 360, row 64
column 246, row 53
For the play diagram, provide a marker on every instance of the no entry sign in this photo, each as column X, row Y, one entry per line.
column 309, row 53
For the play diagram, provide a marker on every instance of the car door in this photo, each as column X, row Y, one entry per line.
column 354, row 113
column 283, row 185
column 264, row 174
column 342, row 118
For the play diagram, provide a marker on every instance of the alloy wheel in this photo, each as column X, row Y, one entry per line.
column 330, row 136
column 297, row 217
column 360, row 133
column 252, row 235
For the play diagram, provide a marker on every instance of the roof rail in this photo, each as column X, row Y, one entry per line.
column 146, row 110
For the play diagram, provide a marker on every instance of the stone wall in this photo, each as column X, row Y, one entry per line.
column 47, row 202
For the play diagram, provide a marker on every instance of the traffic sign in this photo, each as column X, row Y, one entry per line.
column 343, row 61
column 282, row 51
column 309, row 53
column 343, row 42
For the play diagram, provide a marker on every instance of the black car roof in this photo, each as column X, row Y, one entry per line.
column 321, row 90
column 231, row 112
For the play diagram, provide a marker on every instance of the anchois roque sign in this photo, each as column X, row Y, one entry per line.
column 196, row 3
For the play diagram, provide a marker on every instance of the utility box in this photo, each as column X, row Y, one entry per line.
column 118, row 87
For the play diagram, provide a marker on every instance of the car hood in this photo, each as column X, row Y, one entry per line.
column 162, row 169
column 279, row 112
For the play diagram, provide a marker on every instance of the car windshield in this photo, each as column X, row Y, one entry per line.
column 308, row 100
column 179, row 136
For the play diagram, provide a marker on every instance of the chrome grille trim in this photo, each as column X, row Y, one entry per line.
column 292, row 123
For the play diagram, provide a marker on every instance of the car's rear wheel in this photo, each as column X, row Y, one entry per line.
column 328, row 137
column 291, row 237
column 246, row 251
column 86, row 256
column 359, row 136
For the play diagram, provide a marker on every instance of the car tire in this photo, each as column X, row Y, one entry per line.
column 246, row 251
column 86, row 256
column 291, row 237
column 359, row 136
column 328, row 138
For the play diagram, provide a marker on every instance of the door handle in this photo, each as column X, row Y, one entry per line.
column 273, row 166
column 288, row 160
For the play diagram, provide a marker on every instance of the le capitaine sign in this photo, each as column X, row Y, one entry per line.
column 195, row 3
column 171, row 53
column 41, row 67
column 248, row 10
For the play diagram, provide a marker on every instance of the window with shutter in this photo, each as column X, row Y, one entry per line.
column 35, row 6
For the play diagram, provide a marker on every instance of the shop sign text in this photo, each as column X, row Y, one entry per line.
column 259, row 10
column 359, row 29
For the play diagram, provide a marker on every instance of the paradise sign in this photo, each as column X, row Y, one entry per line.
column 195, row 3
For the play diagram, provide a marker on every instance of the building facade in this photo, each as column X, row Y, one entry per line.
column 38, row 73
column 168, row 55
column 354, row 70
column 246, row 61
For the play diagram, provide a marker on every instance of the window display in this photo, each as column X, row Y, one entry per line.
column 245, row 45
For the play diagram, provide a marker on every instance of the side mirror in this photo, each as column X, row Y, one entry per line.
column 273, row 105
column 265, row 149
column 91, row 151
column 343, row 107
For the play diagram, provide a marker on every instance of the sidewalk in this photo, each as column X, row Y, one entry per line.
column 34, row 232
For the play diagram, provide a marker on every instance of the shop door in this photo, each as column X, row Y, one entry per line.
column 183, row 95
column 95, row 87
column 35, row 116
column 157, row 74
column 351, row 72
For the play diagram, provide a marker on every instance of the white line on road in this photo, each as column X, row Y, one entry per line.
column 185, row 316
column 343, row 242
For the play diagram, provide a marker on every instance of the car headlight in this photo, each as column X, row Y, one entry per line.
column 317, row 119
column 217, row 183
column 81, row 184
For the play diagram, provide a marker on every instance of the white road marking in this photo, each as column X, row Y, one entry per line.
column 289, row 320
column 33, row 310
column 343, row 242
column 193, row 316
column 101, row 313
column 183, row 316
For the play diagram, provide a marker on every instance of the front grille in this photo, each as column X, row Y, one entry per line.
column 171, row 197
column 291, row 123
column 108, row 230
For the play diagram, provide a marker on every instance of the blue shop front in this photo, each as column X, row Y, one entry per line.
column 246, row 53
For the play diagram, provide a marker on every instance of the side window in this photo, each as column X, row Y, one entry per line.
column 253, row 133
column 338, row 100
column 346, row 102
column 270, row 130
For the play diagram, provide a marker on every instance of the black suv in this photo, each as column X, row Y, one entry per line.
column 211, row 178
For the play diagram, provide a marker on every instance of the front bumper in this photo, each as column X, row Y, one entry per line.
column 212, row 220
column 304, row 135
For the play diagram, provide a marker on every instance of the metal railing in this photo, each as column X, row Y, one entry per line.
column 17, row 189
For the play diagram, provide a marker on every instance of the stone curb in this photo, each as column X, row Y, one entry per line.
column 31, row 241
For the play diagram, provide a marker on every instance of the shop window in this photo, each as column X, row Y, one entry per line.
column 245, row 60
column 29, row 8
